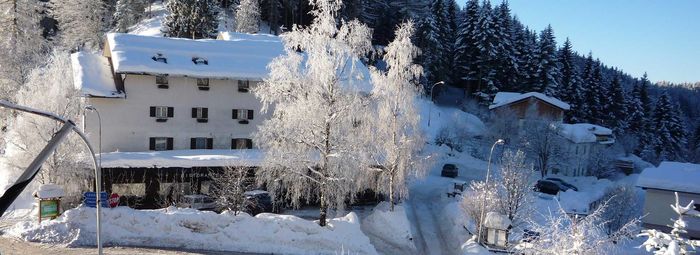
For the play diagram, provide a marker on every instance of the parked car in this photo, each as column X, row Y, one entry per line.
column 547, row 187
column 563, row 183
column 449, row 170
column 257, row 201
column 199, row 202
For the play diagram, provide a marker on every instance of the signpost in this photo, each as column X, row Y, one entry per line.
column 90, row 199
column 50, row 208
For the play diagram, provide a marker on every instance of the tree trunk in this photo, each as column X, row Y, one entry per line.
column 391, row 192
column 323, row 210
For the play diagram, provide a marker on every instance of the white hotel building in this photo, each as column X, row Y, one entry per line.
column 173, row 109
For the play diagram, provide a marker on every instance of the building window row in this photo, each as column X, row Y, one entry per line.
column 202, row 83
column 201, row 114
column 197, row 143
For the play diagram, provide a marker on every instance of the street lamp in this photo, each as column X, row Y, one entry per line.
column 430, row 109
column 483, row 199
column 98, row 176
column 99, row 133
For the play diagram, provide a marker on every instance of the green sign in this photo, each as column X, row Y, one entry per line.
column 48, row 208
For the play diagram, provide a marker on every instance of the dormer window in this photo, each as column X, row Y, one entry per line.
column 159, row 57
column 200, row 61
column 203, row 83
column 243, row 86
column 162, row 81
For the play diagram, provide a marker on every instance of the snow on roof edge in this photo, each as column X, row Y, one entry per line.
column 92, row 75
column 671, row 176
column 506, row 98
column 182, row 158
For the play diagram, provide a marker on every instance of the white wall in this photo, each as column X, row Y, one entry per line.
column 127, row 125
column 658, row 210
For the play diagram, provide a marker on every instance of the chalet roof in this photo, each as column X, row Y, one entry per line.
column 672, row 176
column 585, row 133
column 496, row 220
column 92, row 75
column 506, row 98
column 182, row 158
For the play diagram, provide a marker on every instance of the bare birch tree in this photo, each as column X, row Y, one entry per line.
column 311, row 140
column 394, row 133
column 228, row 188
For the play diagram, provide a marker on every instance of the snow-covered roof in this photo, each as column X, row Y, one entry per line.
column 243, row 58
column 182, row 158
column 92, row 75
column 506, row 98
column 49, row 191
column 673, row 176
column 234, row 36
column 496, row 220
column 585, row 133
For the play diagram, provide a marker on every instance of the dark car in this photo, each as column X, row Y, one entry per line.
column 547, row 187
column 449, row 170
column 257, row 201
column 563, row 183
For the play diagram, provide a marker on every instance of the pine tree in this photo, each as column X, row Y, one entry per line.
column 668, row 130
column 487, row 46
column 588, row 97
column 617, row 107
column 570, row 90
column 637, row 119
column 271, row 11
column 522, row 49
column 465, row 49
column 452, row 9
column 507, row 64
column 191, row 19
column 644, row 95
column 128, row 13
column 694, row 146
column 548, row 67
column 248, row 17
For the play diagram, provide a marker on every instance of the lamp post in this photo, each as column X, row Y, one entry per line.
column 98, row 176
column 483, row 199
column 430, row 109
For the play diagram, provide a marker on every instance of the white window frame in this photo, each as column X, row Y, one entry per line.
column 200, row 112
column 161, row 141
column 161, row 112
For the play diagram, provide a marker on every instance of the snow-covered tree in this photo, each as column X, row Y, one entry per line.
column 82, row 23
column 228, row 188
column 617, row 111
column 544, row 144
column 464, row 45
column 51, row 90
column 248, row 17
column 21, row 44
column 622, row 207
column 570, row 89
column 564, row 234
column 548, row 67
column 396, row 137
column 191, row 19
column 669, row 132
column 311, row 139
column 128, row 13
column 487, row 45
column 673, row 243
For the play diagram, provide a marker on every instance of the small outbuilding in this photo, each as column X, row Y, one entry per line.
column 660, row 183
column 496, row 226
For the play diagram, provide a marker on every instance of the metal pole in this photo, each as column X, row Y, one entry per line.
column 483, row 199
column 432, row 98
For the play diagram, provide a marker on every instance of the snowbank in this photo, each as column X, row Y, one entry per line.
column 445, row 117
column 391, row 228
column 471, row 247
column 183, row 158
column 590, row 189
column 192, row 229
column 674, row 176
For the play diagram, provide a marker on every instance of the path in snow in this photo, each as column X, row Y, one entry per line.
column 426, row 201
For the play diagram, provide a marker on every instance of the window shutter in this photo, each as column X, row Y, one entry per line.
column 233, row 144
column 235, row 114
column 170, row 143
column 152, row 143
column 205, row 113
column 194, row 112
column 193, row 143
column 153, row 111
column 249, row 143
column 171, row 112
column 250, row 114
column 210, row 143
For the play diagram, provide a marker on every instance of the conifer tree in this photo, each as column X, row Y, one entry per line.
column 617, row 107
column 548, row 67
column 487, row 45
column 571, row 90
column 128, row 13
column 506, row 63
column 637, row 119
column 248, row 17
column 193, row 19
column 464, row 45
column 669, row 131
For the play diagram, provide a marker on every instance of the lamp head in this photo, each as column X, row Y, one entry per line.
column 500, row 141
column 90, row 107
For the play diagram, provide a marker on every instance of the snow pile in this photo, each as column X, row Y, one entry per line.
column 471, row 247
column 583, row 132
column 590, row 189
column 92, row 75
column 49, row 191
column 183, row 158
column 391, row 228
column 505, row 98
column 674, row 176
column 192, row 229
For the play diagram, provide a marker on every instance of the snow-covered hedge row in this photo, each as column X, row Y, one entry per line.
column 192, row 229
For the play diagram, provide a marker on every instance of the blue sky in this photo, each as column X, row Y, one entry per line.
column 659, row 37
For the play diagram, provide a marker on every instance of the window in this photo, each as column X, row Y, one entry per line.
column 242, row 115
column 243, row 86
column 241, row 143
column 160, row 143
column 200, row 61
column 162, row 81
column 203, row 83
column 159, row 57
column 201, row 114
column 162, row 113
column 200, row 143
